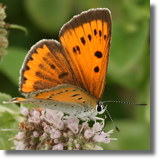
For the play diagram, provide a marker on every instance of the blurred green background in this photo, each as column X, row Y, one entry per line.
column 128, row 77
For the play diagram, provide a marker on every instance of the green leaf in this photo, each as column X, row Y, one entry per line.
column 12, row 63
column 9, row 119
column 133, row 135
column 48, row 15
column 126, row 51
column 130, row 36
column 9, row 107
column 5, row 144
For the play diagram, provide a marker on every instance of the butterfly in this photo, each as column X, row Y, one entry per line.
column 70, row 75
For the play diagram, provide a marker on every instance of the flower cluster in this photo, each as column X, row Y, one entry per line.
column 3, row 32
column 45, row 129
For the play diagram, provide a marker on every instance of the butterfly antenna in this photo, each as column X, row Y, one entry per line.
column 112, row 120
column 110, row 101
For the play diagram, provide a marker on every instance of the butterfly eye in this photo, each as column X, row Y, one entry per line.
column 100, row 108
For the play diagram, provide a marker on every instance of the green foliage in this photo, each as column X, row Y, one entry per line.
column 128, row 77
column 12, row 71
column 46, row 14
column 9, row 118
column 131, row 139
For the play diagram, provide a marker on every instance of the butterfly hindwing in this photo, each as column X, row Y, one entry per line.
column 65, row 93
column 63, row 97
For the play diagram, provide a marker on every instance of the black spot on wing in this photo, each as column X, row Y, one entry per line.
column 95, row 32
column 52, row 66
column 74, row 95
column 48, row 62
column 78, row 49
column 96, row 69
column 89, row 37
column 79, row 98
column 74, row 49
column 100, row 33
column 63, row 74
column 83, row 40
column 98, row 54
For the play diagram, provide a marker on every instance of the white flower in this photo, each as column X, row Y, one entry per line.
column 88, row 133
column 20, row 135
column 73, row 124
column 58, row 147
column 50, row 130
column 24, row 111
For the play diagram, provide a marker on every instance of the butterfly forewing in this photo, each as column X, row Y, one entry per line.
column 86, row 41
column 45, row 67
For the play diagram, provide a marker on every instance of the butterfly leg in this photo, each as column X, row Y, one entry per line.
column 102, row 121
column 66, row 117
column 83, row 124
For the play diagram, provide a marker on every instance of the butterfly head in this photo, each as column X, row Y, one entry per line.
column 100, row 108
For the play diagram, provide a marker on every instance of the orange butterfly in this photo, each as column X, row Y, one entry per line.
column 70, row 75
